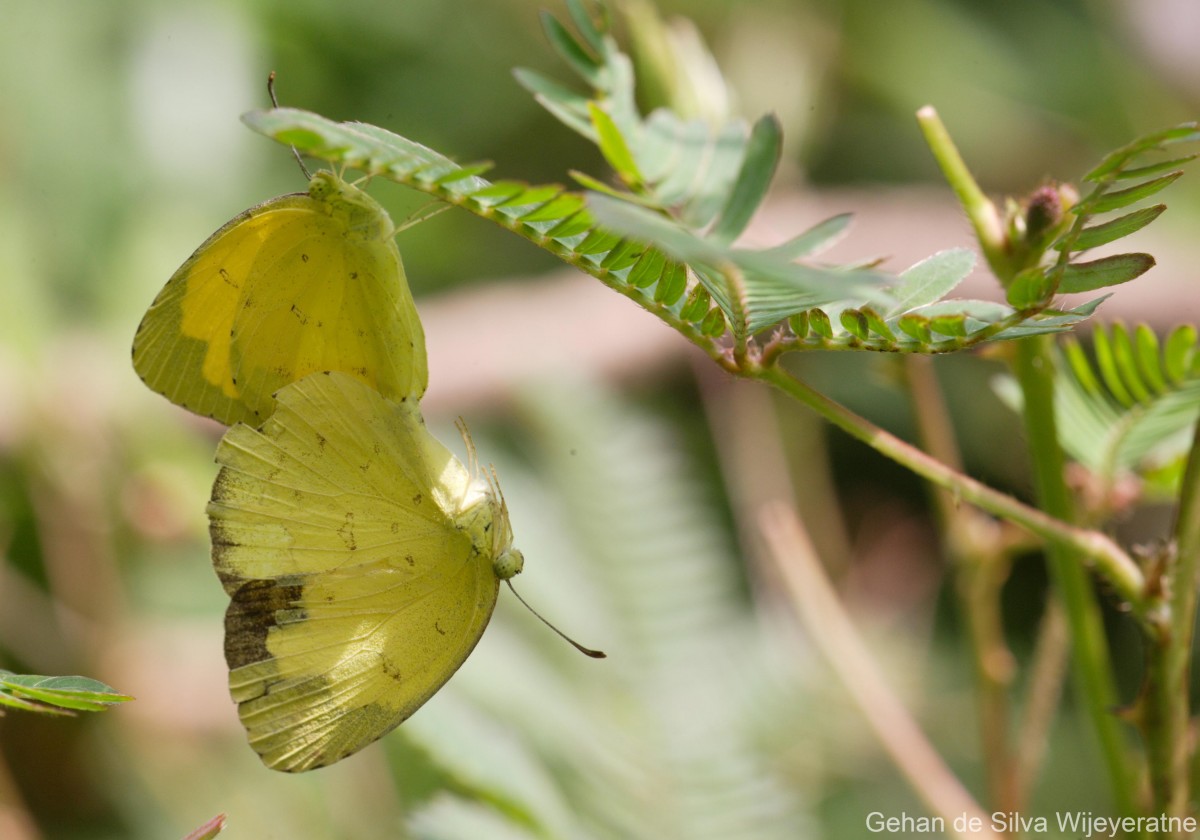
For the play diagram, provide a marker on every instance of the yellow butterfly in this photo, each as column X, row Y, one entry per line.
column 302, row 283
column 363, row 561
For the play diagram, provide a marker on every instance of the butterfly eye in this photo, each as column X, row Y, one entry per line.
column 509, row 563
column 322, row 185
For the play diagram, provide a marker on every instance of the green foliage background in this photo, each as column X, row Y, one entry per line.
column 120, row 150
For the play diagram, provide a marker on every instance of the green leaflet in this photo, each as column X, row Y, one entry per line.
column 1122, row 408
column 931, row 279
column 35, row 693
column 750, row 187
column 1107, row 201
column 1107, row 271
column 694, row 187
column 1102, row 234
column 770, row 288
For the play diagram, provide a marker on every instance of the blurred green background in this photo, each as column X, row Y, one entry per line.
column 625, row 460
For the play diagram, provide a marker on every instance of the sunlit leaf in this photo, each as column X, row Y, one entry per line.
column 1179, row 353
column 1080, row 367
column 647, row 269
column 612, row 145
column 568, row 106
column 1115, row 422
column 1125, row 359
column 1106, row 363
column 931, row 279
column 817, row 238
column 1145, row 345
column 529, row 196
column 773, row 289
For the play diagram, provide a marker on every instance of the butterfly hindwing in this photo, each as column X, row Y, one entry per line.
column 358, row 557
column 182, row 346
column 348, row 308
column 300, row 284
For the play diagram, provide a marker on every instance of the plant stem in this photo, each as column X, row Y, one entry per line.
column 1168, row 673
column 1097, row 550
column 1042, row 695
column 16, row 823
column 979, row 566
column 980, row 211
column 1092, row 669
column 834, row 634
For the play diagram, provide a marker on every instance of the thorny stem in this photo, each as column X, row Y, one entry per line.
column 1165, row 711
column 1034, row 367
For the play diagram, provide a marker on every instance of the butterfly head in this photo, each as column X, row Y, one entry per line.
column 509, row 563
column 362, row 214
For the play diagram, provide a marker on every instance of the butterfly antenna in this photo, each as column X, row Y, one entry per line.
column 595, row 654
column 275, row 103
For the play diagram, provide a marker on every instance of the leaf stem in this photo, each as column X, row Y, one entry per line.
column 1099, row 552
column 1092, row 666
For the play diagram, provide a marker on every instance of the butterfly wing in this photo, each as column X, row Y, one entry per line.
column 182, row 348
column 335, row 298
column 300, row 284
column 355, row 550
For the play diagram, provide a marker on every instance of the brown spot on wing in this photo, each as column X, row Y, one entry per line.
column 252, row 614
column 389, row 667
column 346, row 532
